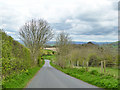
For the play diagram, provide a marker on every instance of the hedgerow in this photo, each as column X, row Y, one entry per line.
column 16, row 58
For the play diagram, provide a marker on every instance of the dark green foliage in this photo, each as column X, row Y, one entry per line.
column 94, row 72
column 82, row 70
column 93, row 60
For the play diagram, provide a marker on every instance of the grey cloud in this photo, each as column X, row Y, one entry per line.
column 61, row 26
column 101, row 31
column 97, row 29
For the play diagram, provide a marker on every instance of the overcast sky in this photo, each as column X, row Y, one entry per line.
column 84, row 20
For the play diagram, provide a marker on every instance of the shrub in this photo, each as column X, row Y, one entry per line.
column 82, row 70
column 94, row 72
column 15, row 57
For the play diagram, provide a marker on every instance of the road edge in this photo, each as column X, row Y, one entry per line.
column 32, row 78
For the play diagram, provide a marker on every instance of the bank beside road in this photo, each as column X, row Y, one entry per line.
column 92, row 77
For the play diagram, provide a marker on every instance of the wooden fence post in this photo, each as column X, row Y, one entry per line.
column 87, row 66
column 83, row 63
column 101, row 66
column 77, row 63
column 104, row 66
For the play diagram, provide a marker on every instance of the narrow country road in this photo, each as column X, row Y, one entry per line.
column 49, row 77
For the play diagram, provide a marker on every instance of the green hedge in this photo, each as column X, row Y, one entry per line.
column 16, row 58
column 21, row 80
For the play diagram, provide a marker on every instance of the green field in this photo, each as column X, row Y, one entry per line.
column 47, row 54
column 49, row 57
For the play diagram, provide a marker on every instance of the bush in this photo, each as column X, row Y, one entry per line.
column 20, row 80
column 94, row 72
column 15, row 57
column 82, row 70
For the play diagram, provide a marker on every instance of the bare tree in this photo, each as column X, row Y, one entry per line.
column 63, row 42
column 35, row 34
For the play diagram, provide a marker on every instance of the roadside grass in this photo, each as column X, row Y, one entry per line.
column 93, row 77
column 109, row 70
column 21, row 80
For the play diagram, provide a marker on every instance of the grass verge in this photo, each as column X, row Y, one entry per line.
column 92, row 77
column 109, row 70
column 20, row 80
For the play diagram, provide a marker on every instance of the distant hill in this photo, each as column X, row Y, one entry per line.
column 115, row 44
column 78, row 42
column 52, row 43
